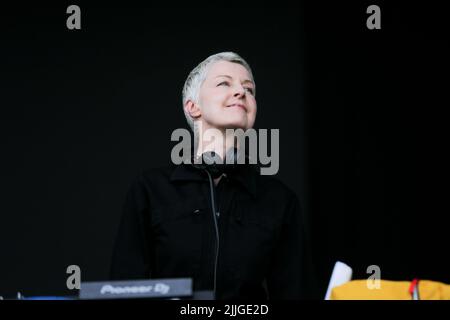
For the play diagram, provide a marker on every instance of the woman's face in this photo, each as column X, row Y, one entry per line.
column 226, row 99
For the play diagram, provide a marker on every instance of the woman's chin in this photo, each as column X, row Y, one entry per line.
column 235, row 125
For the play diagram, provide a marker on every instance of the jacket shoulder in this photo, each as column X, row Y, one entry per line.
column 149, row 178
column 272, row 186
column 157, row 172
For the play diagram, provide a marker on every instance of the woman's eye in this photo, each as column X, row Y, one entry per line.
column 249, row 90
column 224, row 82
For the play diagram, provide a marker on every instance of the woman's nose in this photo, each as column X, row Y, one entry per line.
column 239, row 92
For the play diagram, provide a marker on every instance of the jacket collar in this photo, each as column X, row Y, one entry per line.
column 246, row 175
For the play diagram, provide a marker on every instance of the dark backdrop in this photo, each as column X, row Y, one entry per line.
column 83, row 112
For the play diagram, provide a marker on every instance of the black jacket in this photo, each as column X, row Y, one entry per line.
column 168, row 230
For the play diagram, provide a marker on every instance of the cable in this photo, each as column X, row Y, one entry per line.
column 215, row 215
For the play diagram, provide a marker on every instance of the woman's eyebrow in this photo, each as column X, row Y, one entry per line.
column 230, row 77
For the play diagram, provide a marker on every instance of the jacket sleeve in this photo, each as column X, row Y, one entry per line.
column 291, row 275
column 131, row 256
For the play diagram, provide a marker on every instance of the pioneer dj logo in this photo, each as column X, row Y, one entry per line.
column 117, row 290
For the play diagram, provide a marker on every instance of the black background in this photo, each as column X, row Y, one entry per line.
column 360, row 113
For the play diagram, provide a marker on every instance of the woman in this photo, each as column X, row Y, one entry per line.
column 230, row 229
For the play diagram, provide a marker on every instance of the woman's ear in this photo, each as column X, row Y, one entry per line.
column 192, row 109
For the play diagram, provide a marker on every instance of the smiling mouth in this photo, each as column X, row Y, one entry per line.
column 238, row 106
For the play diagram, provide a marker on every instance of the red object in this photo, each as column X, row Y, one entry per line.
column 413, row 286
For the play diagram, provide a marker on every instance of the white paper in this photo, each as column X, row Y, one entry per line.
column 342, row 273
